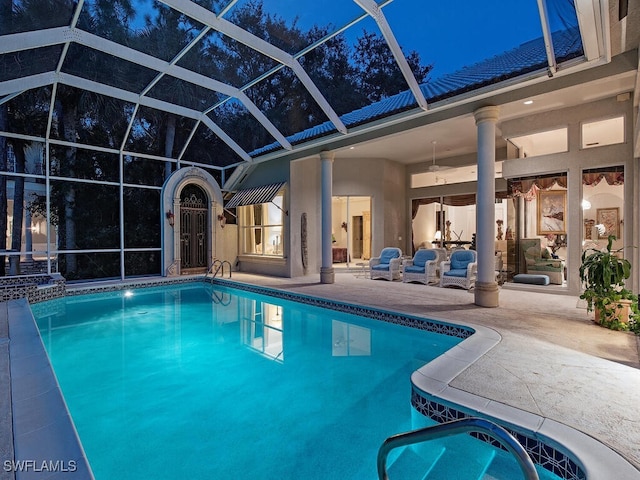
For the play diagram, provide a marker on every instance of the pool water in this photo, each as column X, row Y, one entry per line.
column 192, row 382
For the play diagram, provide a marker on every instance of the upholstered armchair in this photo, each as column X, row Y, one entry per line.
column 424, row 266
column 460, row 270
column 387, row 265
column 538, row 261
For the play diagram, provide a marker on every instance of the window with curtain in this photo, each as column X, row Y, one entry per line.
column 261, row 228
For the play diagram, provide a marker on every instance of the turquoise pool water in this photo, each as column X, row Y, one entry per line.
column 190, row 382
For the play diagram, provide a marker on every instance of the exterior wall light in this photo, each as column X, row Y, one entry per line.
column 171, row 217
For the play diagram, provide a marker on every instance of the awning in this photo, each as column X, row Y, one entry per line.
column 254, row 196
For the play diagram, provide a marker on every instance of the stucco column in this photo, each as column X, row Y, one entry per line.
column 326, row 167
column 486, row 291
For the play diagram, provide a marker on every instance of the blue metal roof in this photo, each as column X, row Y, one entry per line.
column 528, row 57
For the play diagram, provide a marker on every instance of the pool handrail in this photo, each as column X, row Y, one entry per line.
column 218, row 265
column 464, row 425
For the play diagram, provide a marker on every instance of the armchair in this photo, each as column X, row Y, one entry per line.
column 387, row 265
column 539, row 262
column 424, row 266
column 460, row 270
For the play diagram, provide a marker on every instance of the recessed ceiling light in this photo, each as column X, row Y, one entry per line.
column 352, row 148
column 528, row 102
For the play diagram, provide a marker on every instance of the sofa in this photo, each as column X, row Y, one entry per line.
column 538, row 261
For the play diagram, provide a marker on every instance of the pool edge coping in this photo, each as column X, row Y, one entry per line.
column 40, row 416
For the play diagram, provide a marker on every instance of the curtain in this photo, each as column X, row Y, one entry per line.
column 529, row 187
column 592, row 178
column 451, row 200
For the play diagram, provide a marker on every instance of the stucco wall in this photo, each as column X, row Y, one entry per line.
column 227, row 244
column 305, row 198
column 384, row 182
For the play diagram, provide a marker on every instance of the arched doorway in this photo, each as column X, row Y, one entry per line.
column 194, row 237
column 191, row 200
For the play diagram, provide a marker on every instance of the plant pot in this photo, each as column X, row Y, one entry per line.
column 621, row 310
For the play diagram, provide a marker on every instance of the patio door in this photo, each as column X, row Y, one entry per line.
column 351, row 226
column 193, row 230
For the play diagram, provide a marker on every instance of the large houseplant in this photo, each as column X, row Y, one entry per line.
column 603, row 274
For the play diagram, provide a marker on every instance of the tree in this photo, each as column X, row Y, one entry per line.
column 164, row 37
column 378, row 73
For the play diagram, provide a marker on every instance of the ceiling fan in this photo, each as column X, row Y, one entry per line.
column 433, row 167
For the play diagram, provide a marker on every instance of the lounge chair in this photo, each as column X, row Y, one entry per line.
column 387, row 265
column 424, row 266
column 460, row 270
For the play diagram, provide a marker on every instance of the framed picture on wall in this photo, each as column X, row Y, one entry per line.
column 610, row 218
column 552, row 208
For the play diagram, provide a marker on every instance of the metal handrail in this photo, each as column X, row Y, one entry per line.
column 213, row 264
column 220, row 299
column 219, row 267
column 455, row 427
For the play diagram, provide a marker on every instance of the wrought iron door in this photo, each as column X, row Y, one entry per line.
column 193, row 229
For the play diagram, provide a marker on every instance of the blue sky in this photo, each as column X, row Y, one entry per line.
column 451, row 38
column 447, row 34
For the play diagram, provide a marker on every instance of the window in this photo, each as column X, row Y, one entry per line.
column 542, row 143
column 261, row 228
column 603, row 132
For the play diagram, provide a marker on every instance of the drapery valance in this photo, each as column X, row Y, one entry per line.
column 613, row 176
column 451, row 200
column 529, row 187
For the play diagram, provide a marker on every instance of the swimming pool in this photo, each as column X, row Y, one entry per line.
column 166, row 383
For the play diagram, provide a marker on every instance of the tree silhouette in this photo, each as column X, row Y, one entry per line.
column 87, row 213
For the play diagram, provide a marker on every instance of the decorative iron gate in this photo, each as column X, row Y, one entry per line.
column 193, row 229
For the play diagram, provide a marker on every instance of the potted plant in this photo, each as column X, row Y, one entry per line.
column 603, row 274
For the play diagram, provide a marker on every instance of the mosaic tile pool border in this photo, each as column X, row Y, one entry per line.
column 541, row 454
column 368, row 312
column 127, row 285
column 452, row 330
column 36, row 288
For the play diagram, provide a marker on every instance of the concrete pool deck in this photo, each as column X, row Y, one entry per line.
column 550, row 359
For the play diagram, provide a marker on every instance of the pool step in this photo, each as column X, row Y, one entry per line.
column 455, row 466
column 410, row 465
column 504, row 466
column 454, row 458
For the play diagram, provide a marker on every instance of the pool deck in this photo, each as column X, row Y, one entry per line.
column 548, row 358
column 551, row 359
